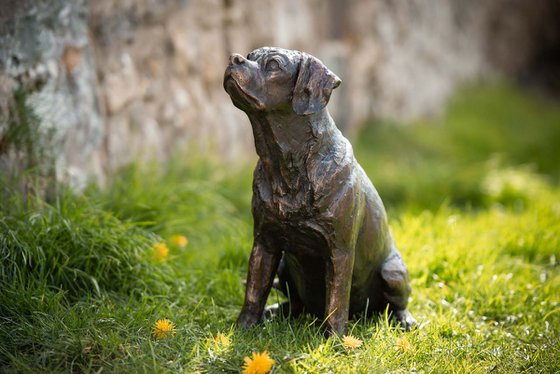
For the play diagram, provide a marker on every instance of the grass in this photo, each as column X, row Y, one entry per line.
column 474, row 206
column 457, row 159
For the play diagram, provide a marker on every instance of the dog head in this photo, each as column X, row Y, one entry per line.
column 276, row 79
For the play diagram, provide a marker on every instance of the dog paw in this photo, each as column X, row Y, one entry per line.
column 405, row 319
column 247, row 320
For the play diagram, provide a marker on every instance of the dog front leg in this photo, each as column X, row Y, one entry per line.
column 339, row 281
column 262, row 269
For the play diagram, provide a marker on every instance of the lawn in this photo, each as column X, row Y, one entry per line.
column 474, row 205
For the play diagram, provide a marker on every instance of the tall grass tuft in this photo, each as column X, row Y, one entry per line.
column 76, row 247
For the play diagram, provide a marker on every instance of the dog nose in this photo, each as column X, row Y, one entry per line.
column 236, row 59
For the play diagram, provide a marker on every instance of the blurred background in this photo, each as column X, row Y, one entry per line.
column 87, row 87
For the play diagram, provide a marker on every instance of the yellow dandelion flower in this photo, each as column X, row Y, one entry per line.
column 163, row 329
column 222, row 340
column 403, row 344
column 179, row 240
column 260, row 363
column 161, row 251
column 351, row 342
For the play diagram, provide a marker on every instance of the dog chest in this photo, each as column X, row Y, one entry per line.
column 284, row 201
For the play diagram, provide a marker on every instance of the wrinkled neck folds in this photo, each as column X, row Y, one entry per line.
column 285, row 142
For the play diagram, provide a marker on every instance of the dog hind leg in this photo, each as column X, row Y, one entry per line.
column 396, row 288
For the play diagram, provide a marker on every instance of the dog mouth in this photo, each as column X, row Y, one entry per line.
column 239, row 94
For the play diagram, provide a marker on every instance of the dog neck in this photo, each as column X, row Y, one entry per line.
column 285, row 143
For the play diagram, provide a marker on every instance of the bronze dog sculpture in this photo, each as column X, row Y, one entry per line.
column 318, row 221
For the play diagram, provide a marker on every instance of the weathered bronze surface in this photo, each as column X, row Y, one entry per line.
column 318, row 221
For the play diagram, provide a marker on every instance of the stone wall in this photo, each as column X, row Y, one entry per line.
column 125, row 80
column 51, row 121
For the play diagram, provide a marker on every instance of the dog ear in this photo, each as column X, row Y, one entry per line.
column 314, row 86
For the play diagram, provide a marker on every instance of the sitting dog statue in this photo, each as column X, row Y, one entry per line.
column 319, row 224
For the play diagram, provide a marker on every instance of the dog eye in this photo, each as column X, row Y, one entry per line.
column 272, row 65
